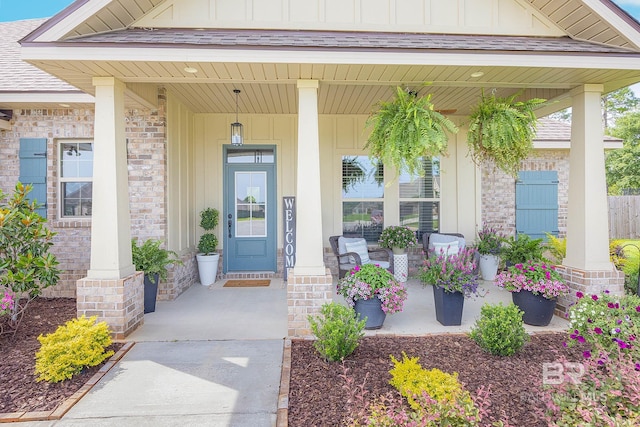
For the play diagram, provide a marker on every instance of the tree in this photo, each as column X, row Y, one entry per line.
column 623, row 166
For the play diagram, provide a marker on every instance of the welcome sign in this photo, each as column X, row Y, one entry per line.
column 289, row 250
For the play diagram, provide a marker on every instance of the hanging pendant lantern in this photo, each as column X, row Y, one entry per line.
column 236, row 128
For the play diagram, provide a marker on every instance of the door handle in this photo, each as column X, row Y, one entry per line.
column 229, row 223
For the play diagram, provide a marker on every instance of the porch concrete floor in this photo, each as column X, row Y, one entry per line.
column 218, row 313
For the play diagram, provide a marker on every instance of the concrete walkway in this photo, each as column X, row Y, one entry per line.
column 214, row 356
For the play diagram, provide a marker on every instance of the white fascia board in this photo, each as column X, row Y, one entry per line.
column 566, row 145
column 54, row 98
column 76, row 53
column 84, row 12
column 613, row 19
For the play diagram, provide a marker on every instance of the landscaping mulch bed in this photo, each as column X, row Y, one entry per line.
column 20, row 391
column 317, row 396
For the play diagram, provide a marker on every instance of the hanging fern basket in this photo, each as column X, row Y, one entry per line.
column 502, row 130
column 407, row 129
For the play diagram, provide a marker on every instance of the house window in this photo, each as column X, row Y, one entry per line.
column 362, row 198
column 419, row 200
column 76, row 176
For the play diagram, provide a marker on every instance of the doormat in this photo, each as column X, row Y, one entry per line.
column 246, row 283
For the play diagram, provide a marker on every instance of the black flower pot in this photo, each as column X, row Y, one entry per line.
column 449, row 306
column 150, row 292
column 538, row 311
column 371, row 309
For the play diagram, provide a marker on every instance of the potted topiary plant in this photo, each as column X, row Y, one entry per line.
column 207, row 257
column 407, row 129
column 502, row 130
column 153, row 261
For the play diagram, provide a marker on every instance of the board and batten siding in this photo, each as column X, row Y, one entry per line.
column 506, row 17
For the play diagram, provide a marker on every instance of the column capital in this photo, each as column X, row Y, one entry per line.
column 586, row 88
column 107, row 81
column 308, row 84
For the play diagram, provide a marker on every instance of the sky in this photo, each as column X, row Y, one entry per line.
column 13, row 10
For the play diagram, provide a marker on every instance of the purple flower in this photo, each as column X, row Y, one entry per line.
column 586, row 354
column 580, row 295
column 580, row 339
column 637, row 366
column 597, row 330
column 638, row 309
column 594, row 297
column 606, row 291
column 610, row 305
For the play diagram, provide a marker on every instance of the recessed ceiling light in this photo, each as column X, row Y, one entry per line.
column 191, row 70
column 64, row 105
column 477, row 74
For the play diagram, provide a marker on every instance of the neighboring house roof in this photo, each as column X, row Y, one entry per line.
column 161, row 37
column 22, row 84
column 17, row 75
column 555, row 134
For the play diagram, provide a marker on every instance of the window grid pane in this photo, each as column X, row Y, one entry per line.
column 76, row 173
column 362, row 194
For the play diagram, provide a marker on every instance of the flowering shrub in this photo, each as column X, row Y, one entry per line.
column 6, row 303
column 538, row 278
column 606, row 322
column 454, row 273
column 607, row 394
column 489, row 240
column 368, row 281
column 397, row 236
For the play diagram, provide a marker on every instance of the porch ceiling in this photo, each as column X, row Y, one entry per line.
column 345, row 88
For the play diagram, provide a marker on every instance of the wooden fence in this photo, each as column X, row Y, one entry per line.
column 624, row 217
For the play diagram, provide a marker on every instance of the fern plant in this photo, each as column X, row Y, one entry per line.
column 407, row 129
column 502, row 130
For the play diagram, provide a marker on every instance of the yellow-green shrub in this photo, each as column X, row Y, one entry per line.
column 64, row 353
column 412, row 380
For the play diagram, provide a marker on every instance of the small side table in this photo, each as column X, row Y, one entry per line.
column 401, row 267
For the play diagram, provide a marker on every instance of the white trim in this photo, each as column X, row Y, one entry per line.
column 40, row 98
column 379, row 57
column 78, row 17
column 566, row 145
column 62, row 179
column 621, row 26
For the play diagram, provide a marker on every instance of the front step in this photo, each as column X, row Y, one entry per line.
column 250, row 275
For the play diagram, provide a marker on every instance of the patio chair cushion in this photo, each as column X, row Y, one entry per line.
column 443, row 238
column 447, row 248
column 359, row 247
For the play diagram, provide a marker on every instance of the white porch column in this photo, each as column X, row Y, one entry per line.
column 110, row 222
column 309, row 283
column 113, row 291
column 309, row 253
column 587, row 218
column 586, row 267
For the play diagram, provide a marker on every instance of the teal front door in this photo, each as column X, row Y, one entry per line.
column 250, row 209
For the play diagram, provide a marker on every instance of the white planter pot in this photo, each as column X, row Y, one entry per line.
column 207, row 268
column 489, row 266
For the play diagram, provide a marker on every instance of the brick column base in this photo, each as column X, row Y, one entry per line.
column 119, row 302
column 305, row 296
column 587, row 282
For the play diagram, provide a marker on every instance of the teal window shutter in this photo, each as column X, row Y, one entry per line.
column 537, row 203
column 33, row 170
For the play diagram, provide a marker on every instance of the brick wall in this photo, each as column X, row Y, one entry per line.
column 499, row 190
column 147, row 164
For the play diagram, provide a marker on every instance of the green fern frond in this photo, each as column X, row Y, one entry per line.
column 502, row 130
column 406, row 129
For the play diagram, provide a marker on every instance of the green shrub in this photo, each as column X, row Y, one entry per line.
column 500, row 330
column 80, row 342
column 151, row 259
column 521, row 249
column 337, row 330
column 26, row 266
column 208, row 221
